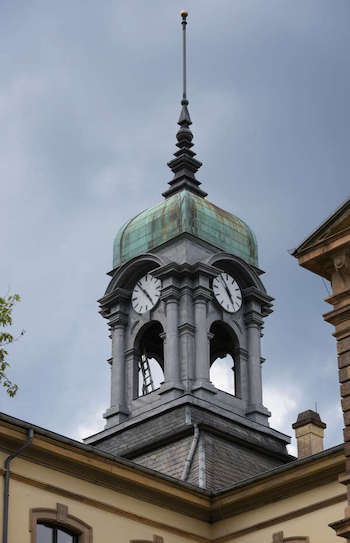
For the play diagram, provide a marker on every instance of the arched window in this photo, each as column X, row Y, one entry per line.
column 224, row 367
column 46, row 533
column 58, row 526
column 150, row 358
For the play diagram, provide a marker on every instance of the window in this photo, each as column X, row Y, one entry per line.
column 45, row 533
column 58, row 526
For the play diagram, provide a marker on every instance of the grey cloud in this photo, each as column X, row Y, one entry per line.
column 89, row 99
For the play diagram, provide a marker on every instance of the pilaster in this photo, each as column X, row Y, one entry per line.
column 339, row 317
column 172, row 373
column 255, row 409
column 326, row 252
column 201, row 296
column 118, row 410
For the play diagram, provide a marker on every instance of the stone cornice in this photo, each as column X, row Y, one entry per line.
column 340, row 299
column 118, row 296
column 173, row 269
column 319, row 258
column 252, row 293
column 338, row 316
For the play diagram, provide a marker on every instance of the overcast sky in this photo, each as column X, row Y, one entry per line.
column 89, row 99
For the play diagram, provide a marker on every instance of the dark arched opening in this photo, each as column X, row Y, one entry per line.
column 150, row 358
column 224, row 366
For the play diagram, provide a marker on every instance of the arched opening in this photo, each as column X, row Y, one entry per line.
column 150, row 358
column 224, row 366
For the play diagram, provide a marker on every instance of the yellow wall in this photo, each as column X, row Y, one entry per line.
column 313, row 524
column 174, row 527
column 106, row 526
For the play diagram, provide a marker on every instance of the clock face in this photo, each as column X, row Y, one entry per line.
column 227, row 292
column 146, row 293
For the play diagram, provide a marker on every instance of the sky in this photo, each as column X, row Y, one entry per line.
column 89, row 99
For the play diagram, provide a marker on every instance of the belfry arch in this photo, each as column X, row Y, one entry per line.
column 149, row 358
column 224, row 358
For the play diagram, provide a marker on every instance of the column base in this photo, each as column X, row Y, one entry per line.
column 258, row 413
column 116, row 414
column 173, row 389
column 204, row 385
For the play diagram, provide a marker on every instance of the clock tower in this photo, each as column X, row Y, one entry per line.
column 185, row 309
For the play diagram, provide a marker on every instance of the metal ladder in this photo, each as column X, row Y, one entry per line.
column 148, row 385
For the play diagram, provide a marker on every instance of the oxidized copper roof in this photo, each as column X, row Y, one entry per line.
column 180, row 213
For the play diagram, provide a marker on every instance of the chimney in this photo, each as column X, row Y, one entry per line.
column 309, row 431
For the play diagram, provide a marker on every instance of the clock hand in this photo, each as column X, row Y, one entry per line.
column 227, row 291
column 145, row 292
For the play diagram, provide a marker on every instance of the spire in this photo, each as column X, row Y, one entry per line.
column 184, row 165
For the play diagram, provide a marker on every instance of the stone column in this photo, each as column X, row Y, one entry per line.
column 118, row 381
column 202, row 353
column 118, row 410
column 253, row 322
column 172, row 377
column 186, row 337
column 255, row 409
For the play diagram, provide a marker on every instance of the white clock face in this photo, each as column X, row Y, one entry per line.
column 146, row 293
column 227, row 292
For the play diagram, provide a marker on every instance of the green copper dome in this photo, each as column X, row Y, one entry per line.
column 183, row 212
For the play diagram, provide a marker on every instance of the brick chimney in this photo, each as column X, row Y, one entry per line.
column 309, row 431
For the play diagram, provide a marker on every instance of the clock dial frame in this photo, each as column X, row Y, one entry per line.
column 227, row 292
column 146, row 293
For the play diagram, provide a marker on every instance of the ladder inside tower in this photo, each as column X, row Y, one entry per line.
column 147, row 385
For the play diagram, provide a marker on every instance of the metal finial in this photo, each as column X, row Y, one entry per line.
column 184, row 15
column 184, row 165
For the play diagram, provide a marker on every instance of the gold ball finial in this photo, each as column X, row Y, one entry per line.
column 184, row 13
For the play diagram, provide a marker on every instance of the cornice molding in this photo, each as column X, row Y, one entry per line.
column 173, row 269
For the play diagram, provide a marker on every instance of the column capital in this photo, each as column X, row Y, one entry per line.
column 118, row 319
column 256, row 296
column 253, row 318
column 118, row 299
column 202, row 294
column 170, row 294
